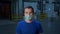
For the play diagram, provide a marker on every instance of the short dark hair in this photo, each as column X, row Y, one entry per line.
column 28, row 7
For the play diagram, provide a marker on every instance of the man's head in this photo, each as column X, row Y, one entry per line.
column 28, row 12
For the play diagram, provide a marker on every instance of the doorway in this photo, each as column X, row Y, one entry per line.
column 5, row 10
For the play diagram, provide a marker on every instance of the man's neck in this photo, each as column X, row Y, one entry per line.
column 28, row 21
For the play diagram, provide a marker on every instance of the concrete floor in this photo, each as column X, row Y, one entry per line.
column 8, row 27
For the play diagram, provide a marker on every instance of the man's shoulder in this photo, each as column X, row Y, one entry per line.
column 37, row 22
column 20, row 22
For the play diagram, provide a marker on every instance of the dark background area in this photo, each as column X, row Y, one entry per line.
column 5, row 9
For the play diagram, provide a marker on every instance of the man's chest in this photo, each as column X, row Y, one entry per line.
column 29, row 28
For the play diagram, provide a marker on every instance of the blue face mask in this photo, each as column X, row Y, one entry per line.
column 28, row 17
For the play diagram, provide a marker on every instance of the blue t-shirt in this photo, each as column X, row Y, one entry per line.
column 29, row 28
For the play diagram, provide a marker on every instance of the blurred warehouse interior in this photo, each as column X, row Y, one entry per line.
column 47, row 11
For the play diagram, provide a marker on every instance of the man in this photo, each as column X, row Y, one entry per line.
column 29, row 25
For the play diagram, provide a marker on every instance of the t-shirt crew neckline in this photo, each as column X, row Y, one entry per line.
column 28, row 23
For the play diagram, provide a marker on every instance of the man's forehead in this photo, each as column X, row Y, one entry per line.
column 28, row 9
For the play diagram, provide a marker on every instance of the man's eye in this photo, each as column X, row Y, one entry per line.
column 30, row 12
column 26, row 12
